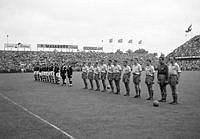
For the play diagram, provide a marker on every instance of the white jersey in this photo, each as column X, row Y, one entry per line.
column 136, row 69
column 174, row 69
column 85, row 69
column 110, row 68
column 91, row 69
column 126, row 70
column 117, row 69
column 103, row 68
column 150, row 70
column 96, row 70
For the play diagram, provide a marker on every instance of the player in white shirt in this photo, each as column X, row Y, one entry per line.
column 117, row 75
column 103, row 70
column 174, row 75
column 126, row 77
column 110, row 75
column 91, row 75
column 97, row 75
column 149, row 80
column 85, row 74
column 136, row 71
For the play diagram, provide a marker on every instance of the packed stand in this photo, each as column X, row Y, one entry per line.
column 24, row 61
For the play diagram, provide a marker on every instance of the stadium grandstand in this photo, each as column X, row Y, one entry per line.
column 188, row 54
column 18, row 61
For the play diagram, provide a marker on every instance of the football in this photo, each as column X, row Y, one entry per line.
column 155, row 103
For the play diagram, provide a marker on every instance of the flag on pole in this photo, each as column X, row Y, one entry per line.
column 7, row 35
column 120, row 40
column 110, row 40
column 140, row 42
column 130, row 41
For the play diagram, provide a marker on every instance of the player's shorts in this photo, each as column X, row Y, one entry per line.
column 173, row 80
column 90, row 76
column 162, row 79
column 110, row 76
column 69, row 76
column 126, row 78
column 136, row 78
column 84, row 75
column 149, row 80
column 103, row 75
column 116, row 76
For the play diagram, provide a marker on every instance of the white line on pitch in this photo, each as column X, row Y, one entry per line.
column 35, row 115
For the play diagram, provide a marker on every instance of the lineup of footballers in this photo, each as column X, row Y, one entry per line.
column 52, row 73
column 113, row 72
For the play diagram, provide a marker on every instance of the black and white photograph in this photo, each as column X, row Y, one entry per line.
column 99, row 69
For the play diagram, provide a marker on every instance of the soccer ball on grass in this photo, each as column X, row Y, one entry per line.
column 155, row 103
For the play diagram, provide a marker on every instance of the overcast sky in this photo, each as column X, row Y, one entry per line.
column 160, row 24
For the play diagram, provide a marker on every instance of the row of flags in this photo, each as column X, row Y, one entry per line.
column 121, row 41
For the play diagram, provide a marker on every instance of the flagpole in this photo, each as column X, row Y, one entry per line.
column 7, row 42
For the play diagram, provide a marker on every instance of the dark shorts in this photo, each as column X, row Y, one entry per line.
column 116, row 76
column 63, row 77
column 69, row 76
column 110, row 76
column 136, row 79
column 173, row 80
column 126, row 78
column 149, row 80
column 103, row 75
column 84, row 75
column 90, row 76
column 162, row 79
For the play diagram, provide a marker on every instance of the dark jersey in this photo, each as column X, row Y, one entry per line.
column 36, row 68
column 163, row 69
column 69, row 71
column 56, row 69
column 63, row 71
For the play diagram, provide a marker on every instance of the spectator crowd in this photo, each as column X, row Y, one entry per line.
column 188, row 54
column 17, row 61
column 24, row 61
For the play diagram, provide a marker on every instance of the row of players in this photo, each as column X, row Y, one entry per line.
column 52, row 73
column 112, row 71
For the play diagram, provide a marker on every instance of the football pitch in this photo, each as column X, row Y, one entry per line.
column 37, row 110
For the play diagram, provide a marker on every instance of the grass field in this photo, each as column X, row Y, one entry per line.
column 87, row 114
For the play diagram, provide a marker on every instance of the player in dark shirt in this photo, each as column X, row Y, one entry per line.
column 162, row 77
column 63, row 71
column 69, row 74
column 55, row 72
